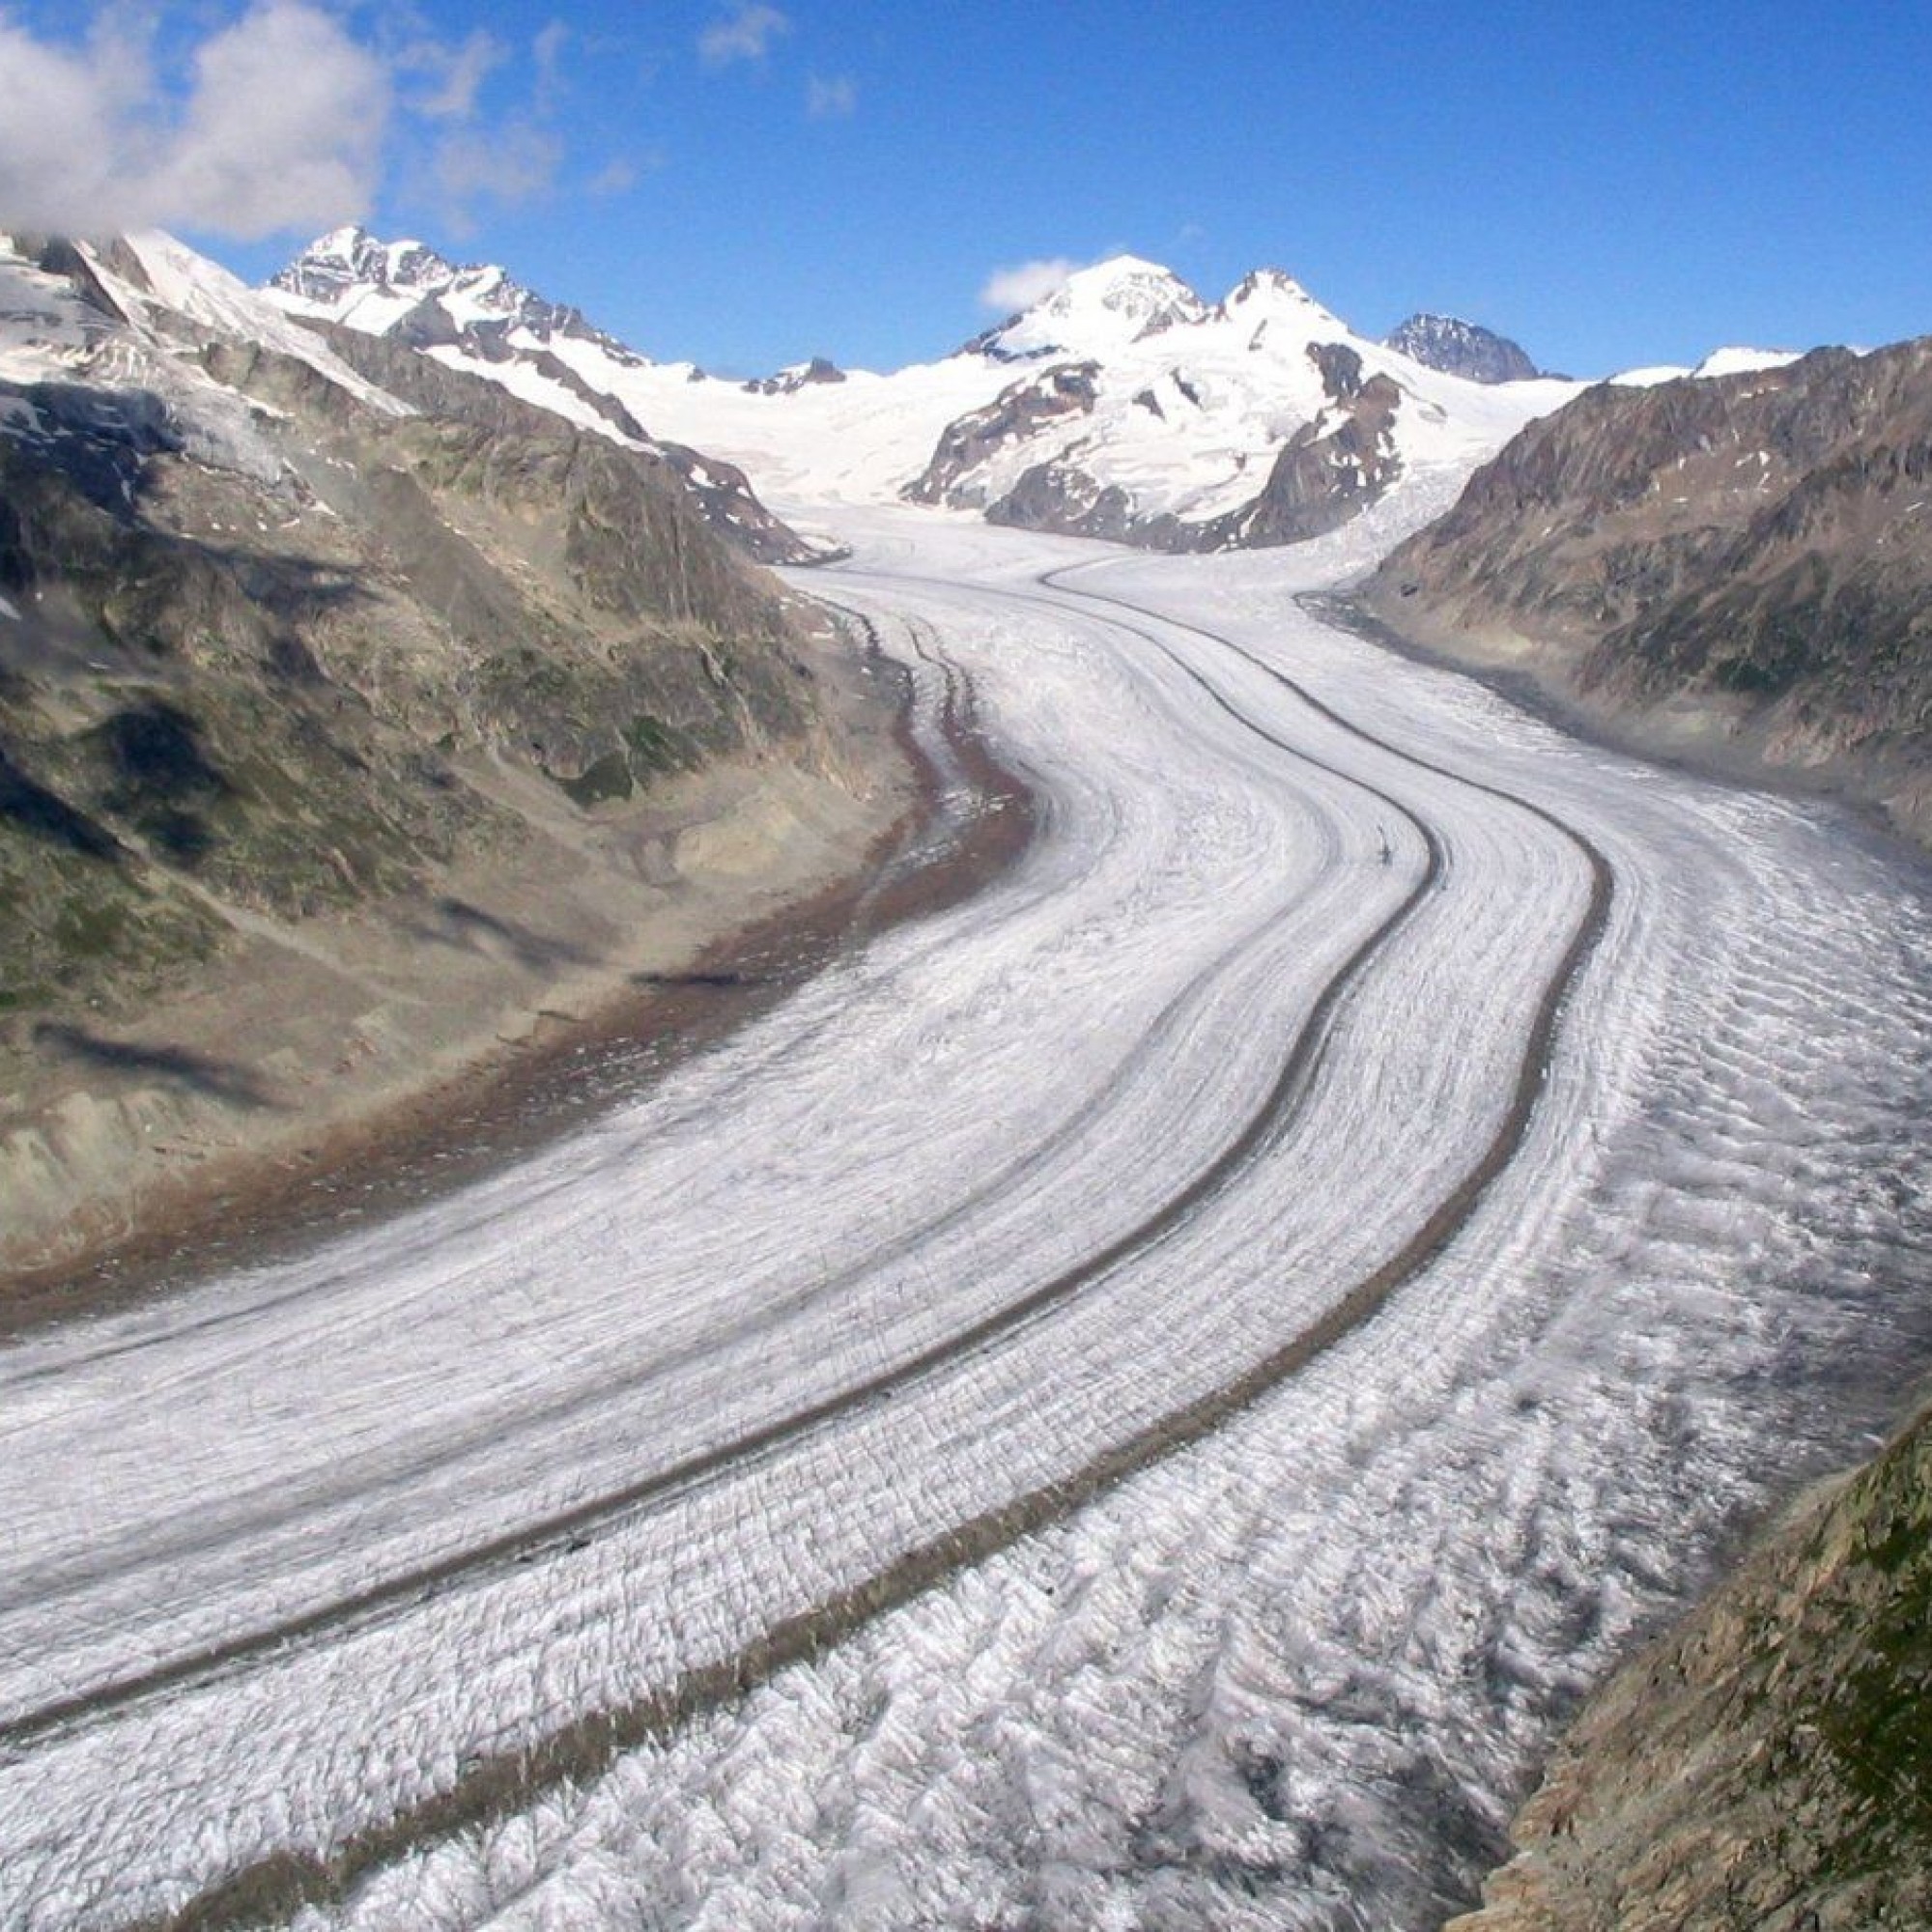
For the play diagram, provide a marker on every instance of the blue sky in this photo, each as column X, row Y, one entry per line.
column 749, row 182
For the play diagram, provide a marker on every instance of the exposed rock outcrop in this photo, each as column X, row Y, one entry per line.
column 1463, row 349
column 1065, row 390
column 1330, row 470
column 802, row 376
column 1739, row 568
column 1768, row 1763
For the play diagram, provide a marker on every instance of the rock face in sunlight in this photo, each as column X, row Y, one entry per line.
column 1739, row 566
column 1152, row 414
column 1770, row 1762
column 272, row 624
column 1461, row 348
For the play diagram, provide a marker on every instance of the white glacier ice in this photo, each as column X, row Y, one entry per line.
column 292, row 1552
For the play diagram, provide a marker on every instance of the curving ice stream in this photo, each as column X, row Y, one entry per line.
column 1140, row 1400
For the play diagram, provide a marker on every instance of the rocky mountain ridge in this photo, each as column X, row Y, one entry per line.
column 270, row 623
column 1461, row 348
column 1204, row 425
column 1736, row 567
column 482, row 319
column 424, row 299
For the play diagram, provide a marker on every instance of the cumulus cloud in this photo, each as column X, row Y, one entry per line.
column 744, row 34
column 833, row 100
column 281, row 128
column 1025, row 283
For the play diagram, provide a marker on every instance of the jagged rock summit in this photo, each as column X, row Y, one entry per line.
column 407, row 290
column 796, row 376
column 1459, row 348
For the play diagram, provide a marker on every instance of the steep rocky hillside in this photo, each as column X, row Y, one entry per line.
column 1739, row 567
column 253, row 671
column 403, row 308
column 1767, row 1765
column 288, row 644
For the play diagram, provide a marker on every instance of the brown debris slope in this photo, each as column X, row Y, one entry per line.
column 1738, row 568
column 340, row 729
column 1767, row 1765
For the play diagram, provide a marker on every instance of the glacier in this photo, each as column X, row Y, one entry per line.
column 875, row 1288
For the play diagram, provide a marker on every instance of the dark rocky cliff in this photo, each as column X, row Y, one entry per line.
column 1741, row 566
column 1330, row 472
column 1461, row 348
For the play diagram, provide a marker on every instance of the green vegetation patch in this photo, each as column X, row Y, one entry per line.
column 657, row 747
column 607, row 778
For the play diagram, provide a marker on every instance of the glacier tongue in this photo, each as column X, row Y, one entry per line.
column 1292, row 1668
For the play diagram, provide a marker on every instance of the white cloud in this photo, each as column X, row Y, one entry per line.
column 1025, row 283
column 747, row 33
column 833, row 100
column 511, row 163
column 547, row 50
column 456, row 73
column 614, row 178
column 281, row 128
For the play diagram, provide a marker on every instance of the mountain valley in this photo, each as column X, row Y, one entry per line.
column 1248, row 1220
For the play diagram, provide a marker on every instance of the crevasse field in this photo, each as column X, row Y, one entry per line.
column 1282, row 1287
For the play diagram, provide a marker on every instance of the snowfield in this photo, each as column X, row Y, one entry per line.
column 1190, row 402
column 1214, row 1343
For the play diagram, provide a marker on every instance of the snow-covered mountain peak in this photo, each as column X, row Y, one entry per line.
column 1272, row 298
column 348, row 259
column 1266, row 284
column 351, row 277
column 1100, row 310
